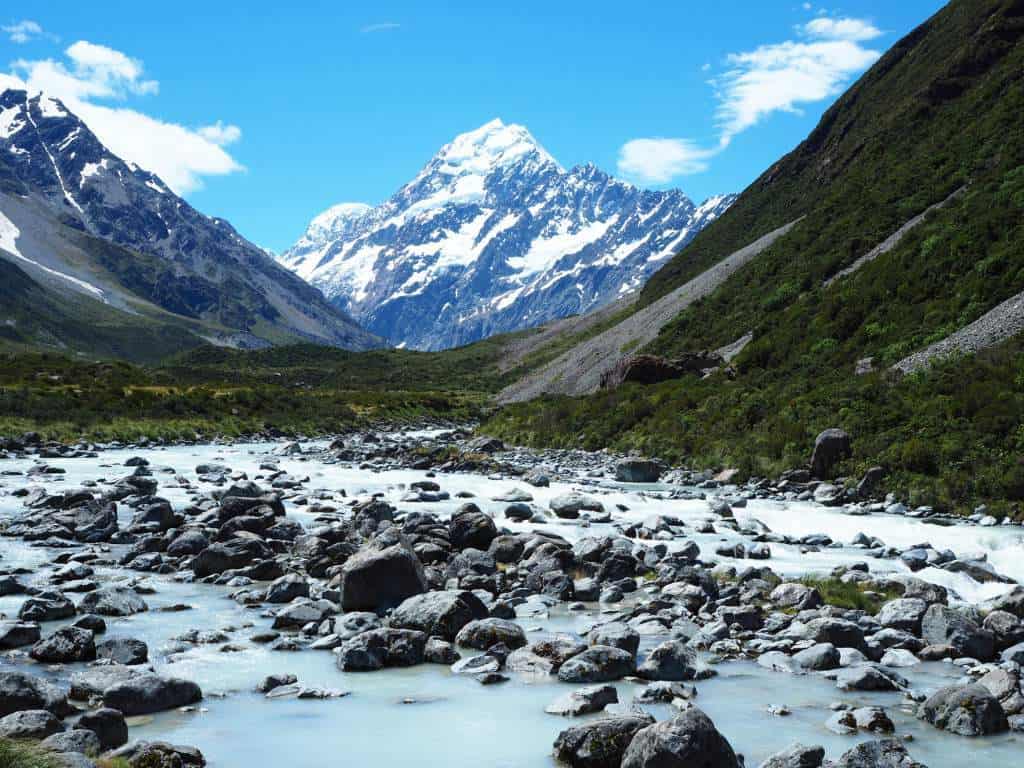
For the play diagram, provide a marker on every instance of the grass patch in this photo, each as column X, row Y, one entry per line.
column 22, row 754
column 851, row 596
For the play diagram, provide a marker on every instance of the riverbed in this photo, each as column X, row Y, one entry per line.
column 425, row 715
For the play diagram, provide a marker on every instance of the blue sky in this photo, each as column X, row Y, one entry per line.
column 267, row 113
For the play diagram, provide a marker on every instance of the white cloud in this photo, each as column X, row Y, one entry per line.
column 657, row 161
column 384, row 26
column 22, row 31
column 179, row 155
column 854, row 30
column 220, row 134
column 779, row 77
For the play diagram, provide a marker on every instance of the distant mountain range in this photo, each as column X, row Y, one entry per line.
column 99, row 256
column 493, row 235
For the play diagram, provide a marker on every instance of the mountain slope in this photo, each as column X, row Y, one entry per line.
column 492, row 236
column 938, row 113
column 56, row 178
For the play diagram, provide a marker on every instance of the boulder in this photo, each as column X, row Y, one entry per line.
column 638, row 471
column 469, row 528
column 34, row 724
column 878, row 754
column 672, row 660
column 688, row 740
column 108, row 725
column 904, row 613
column 113, row 601
column 287, row 588
column 483, row 633
column 945, row 626
column 617, row 635
column 438, row 614
column 15, row 634
column 600, row 743
column 19, row 692
column 123, row 650
column 597, row 664
column 378, row 579
column 380, row 648
column 569, row 505
column 66, row 645
column 830, row 447
column 229, row 556
column 583, row 701
column 148, row 693
column 796, row 756
column 967, row 710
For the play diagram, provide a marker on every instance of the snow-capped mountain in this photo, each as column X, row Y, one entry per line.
column 493, row 235
column 58, row 179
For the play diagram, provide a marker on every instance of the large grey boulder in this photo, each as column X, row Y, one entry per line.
column 439, row 614
column 113, row 601
column 597, row 664
column 688, row 740
column 19, row 691
column 229, row 556
column 46, row 606
column 878, row 754
column 123, row 650
column 616, row 634
column 148, row 693
column 569, row 505
column 1011, row 602
column 378, row 579
column 15, row 634
column 796, row 756
column 946, row 626
column 483, row 633
column 830, row 447
column 818, row 658
column 600, row 743
column 32, row 724
column 74, row 742
column 583, row 701
column 469, row 528
column 638, row 471
column 380, row 648
column 904, row 613
column 108, row 725
column 66, row 645
column 967, row 710
column 672, row 660
column 287, row 588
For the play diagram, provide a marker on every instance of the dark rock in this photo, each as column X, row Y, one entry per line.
column 374, row 580
column 19, row 692
column 830, row 447
column 15, row 634
column 946, row 626
column 123, row 650
column 638, row 471
column 441, row 614
column 671, row 660
column 483, row 633
column 968, row 710
column 796, row 756
column 688, row 740
column 67, row 644
column 600, row 743
column 113, row 601
column 597, row 664
column 148, row 693
column 584, row 701
column 108, row 725
column 32, row 724
column 380, row 648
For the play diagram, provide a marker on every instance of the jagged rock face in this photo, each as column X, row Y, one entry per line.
column 493, row 236
column 206, row 269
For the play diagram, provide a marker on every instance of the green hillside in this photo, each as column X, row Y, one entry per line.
column 939, row 111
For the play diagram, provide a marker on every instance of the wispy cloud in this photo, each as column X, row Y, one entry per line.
column 22, row 31
column 658, row 161
column 778, row 77
column 91, row 73
column 383, row 26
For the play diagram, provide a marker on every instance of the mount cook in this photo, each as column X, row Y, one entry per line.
column 493, row 235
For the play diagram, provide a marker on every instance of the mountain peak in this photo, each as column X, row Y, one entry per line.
column 491, row 236
column 490, row 146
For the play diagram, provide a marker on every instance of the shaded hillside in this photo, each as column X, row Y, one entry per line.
column 940, row 111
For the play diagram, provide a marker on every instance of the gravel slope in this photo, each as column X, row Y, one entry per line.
column 996, row 325
column 578, row 371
